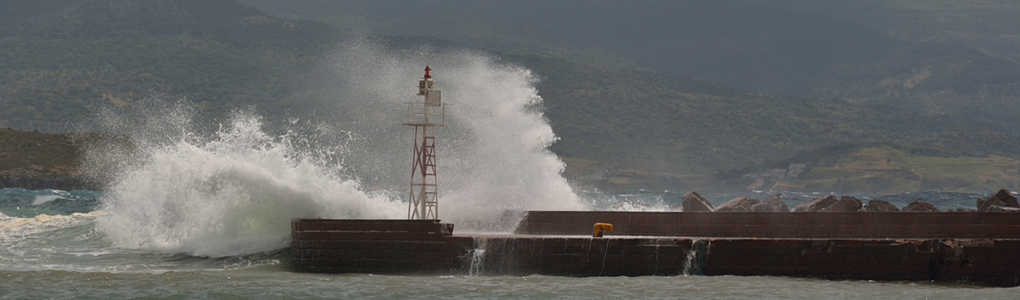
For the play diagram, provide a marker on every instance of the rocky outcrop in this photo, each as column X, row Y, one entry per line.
column 1003, row 198
column 693, row 202
column 739, row 204
column 879, row 205
column 993, row 201
column 845, row 204
column 920, row 206
column 1007, row 198
column 771, row 204
column 817, row 204
column 753, row 202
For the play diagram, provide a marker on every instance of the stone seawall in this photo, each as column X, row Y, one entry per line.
column 430, row 247
column 376, row 246
column 780, row 225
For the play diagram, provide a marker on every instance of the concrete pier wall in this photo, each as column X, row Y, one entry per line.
column 982, row 261
column 376, row 246
column 430, row 247
column 779, row 225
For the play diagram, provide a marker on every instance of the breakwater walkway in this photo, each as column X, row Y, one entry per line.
column 976, row 247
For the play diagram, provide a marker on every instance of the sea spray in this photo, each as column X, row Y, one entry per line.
column 492, row 157
column 176, row 190
column 233, row 194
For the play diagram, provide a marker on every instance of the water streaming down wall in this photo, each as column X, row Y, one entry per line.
column 477, row 263
column 694, row 263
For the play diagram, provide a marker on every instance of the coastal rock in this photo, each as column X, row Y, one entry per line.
column 992, row 201
column 845, row 204
column 1007, row 198
column 753, row 202
column 817, row 204
column 771, row 204
column 693, row 202
column 979, row 202
column 738, row 204
column 920, row 206
column 879, row 205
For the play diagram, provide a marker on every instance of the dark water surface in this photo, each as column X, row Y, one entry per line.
column 50, row 248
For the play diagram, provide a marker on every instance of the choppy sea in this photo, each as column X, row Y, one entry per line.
column 51, row 248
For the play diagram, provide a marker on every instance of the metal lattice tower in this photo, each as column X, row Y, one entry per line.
column 425, row 116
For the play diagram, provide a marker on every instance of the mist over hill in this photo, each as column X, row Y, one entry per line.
column 675, row 92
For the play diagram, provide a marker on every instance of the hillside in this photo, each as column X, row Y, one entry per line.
column 887, row 170
column 63, row 59
column 38, row 160
column 682, row 126
column 852, row 51
column 990, row 26
column 622, row 122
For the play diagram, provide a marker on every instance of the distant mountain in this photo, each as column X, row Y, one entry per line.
column 990, row 26
column 659, row 123
column 608, row 74
column 61, row 59
column 806, row 48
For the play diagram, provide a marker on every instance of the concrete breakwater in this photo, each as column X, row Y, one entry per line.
column 832, row 245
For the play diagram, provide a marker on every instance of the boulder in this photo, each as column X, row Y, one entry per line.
column 879, row 205
column 992, row 201
column 1008, row 198
column 980, row 202
column 920, row 206
column 738, row 204
column 996, row 208
column 771, row 204
column 753, row 202
column 693, row 202
column 817, row 204
column 845, row 204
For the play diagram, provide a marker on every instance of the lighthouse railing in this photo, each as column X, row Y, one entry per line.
column 420, row 114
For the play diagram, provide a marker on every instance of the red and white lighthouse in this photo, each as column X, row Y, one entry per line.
column 424, row 117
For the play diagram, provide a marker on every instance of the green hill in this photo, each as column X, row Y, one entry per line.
column 623, row 121
column 888, row 170
column 63, row 58
column 826, row 49
column 644, row 128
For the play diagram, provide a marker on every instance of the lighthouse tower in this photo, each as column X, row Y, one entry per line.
column 425, row 117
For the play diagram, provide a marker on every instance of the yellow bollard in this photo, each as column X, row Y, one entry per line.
column 600, row 227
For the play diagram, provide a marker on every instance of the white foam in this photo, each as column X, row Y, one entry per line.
column 43, row 199
column 492, row 157
column 232, row 195
column 237, row 192
column 12, row 228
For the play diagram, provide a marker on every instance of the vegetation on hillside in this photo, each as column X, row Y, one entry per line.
column 75, row 56
column 39, row 160
column 888, row 170
column 612, row 94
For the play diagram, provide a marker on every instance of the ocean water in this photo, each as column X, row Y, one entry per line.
column 190, row 214
column 51, row 247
